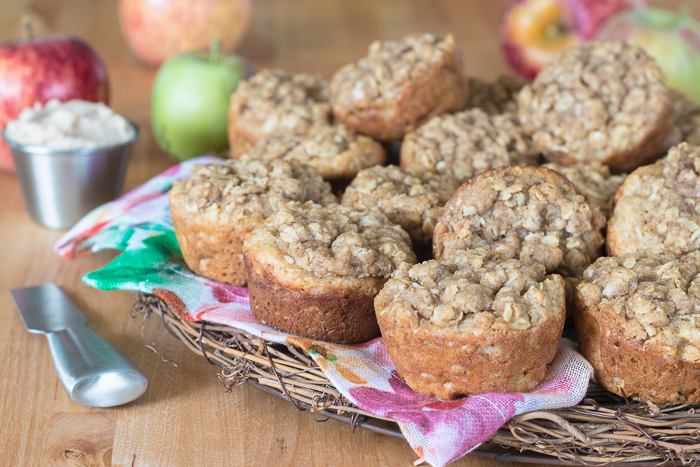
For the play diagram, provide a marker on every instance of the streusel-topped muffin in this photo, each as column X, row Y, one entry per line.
column 638, row 323
column 600, row 102
column 656, row 206
column 336, row 151
column 399, row 85
column 273, row 102
column 529, row 213
column 593, row 181
column 495, row 97
column 481, row 323
column 314, row 270
column 467, row 143
column 413, row 199
column 219, row 204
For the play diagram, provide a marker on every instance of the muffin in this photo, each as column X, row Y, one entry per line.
column 532, row 214
column 481, row 323
column 272, row 102
column 314, row 270
column 638, row 323
column 594, row 182
column 685, row 120
column 400, row 85
column 656, row 206
column 219, row 204
column 599, row 103
column 411, row 199
column 467, row 143
column 495, row 97
column 336, row 151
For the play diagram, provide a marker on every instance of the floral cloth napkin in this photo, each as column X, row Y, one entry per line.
column 439, row 431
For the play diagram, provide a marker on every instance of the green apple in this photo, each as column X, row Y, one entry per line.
column 190, row 99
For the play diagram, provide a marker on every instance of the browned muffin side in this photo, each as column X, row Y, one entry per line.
column 335, row 150
column 595, row 182
column 314, row 270
column 482, row 323
column 656, row 206
column 272, row 102
column 638, row 323
column 219, row 204
column 399, row 85
column 529, row 213
column 600, row 102
column 412, row 199
column 466, row 143
column 495, row 97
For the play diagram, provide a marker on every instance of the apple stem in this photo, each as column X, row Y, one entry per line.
column 215, row 49
column 27, row 33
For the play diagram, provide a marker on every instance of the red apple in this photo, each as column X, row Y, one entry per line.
column 45, row 68
column 157, row 30
column 533, row 31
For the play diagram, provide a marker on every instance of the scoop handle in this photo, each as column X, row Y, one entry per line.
column 93, row 372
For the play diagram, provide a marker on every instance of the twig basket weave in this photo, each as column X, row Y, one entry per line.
column 603, row 429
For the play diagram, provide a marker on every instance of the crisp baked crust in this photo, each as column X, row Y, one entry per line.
column 495, row 97
column 638, row 323
column 656, row 206
column 467, row 143
column 482, row 323
column 314, row 270
column 413, row 199
column 529, row 213
column 399, row 85
column 335, row 150
column 272, row 102
column 219, row 204
column 601, row 102
column 594, row 182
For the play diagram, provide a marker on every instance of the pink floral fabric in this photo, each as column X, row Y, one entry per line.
column 439, row 431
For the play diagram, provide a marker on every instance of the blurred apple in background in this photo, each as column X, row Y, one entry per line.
column 157, row 30
column 190, row 99
column 44, row 68
column 673, row 39
column 533, row 31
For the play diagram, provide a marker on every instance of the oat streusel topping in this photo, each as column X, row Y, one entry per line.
column 528, row 213
column 657, row 294
column 412, row 199
column 384, row 71
column 274, row 102
column 495, row 97
column 480, row 290
column 243, row 187
column 596, row 182
column 335, row 150
column 658, row 206
column 685, row 119
column 467, row 143
column 335, row 240
column 596, row 101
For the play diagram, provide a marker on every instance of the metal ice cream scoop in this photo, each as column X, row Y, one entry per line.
column 91, row 370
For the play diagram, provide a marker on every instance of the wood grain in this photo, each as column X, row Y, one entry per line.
column 186, row 418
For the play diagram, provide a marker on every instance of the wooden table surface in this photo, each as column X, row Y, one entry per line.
column 186, row 418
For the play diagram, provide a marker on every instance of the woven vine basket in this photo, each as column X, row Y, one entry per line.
column 603, row 429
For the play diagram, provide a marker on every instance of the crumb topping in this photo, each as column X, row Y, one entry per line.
column 595, row 182
column 412, row 199
column 467, row 143
column 685, row 119
column 335, row 240
column 658, row 295
column 243, row 187
column 479, row 290
column 496, row 97
column 658, row 205
column 274, row 102
column 527, row 213
column 595, row 100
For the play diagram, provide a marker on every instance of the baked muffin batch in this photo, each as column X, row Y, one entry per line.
column 511, row 244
